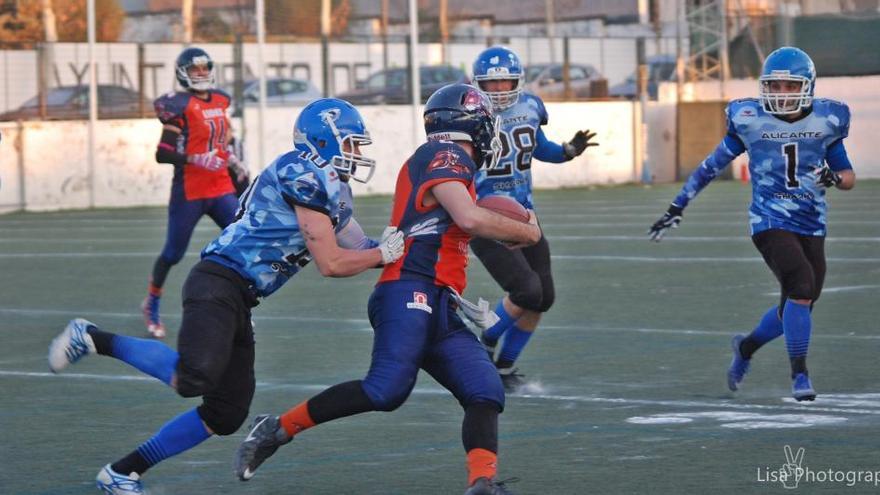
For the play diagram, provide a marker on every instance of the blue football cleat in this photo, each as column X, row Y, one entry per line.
column 71, row 345
column 739, row 365
column 802, row 389
column 109, row 481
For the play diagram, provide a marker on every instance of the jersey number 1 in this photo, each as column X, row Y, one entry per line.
column 789, row 151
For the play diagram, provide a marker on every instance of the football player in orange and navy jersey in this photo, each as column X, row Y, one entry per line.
column 197, row 140
column 413, row 307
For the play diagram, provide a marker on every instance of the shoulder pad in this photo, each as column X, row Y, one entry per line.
column 170, row 106
column 537, row 104
column 224, row 94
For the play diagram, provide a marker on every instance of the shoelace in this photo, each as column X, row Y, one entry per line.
column 78, row 348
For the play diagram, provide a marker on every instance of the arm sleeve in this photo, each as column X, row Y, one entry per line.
column 352, row 236
column 548, row 151
column 166, row 151
column 837, row 158
column 169, row 110
column 729, row 148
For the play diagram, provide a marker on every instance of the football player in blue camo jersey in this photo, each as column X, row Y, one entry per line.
column 524, row 273
column 796, row 152
column 299, row 209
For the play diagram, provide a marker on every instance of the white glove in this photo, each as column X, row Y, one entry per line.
column 479, row 313
column 208, row 161
column 391, row 245
column 387, row 232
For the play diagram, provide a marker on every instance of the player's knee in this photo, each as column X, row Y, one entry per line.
column 390, row 394
column 547, row 299
column 221, row 417
column 193, row 382
column 802, row 288
column 492, row 393
column 528, row 293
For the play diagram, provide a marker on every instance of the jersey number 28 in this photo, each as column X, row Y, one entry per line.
column 523, row 139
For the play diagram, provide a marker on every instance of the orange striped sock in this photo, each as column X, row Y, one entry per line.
column 481, row 463
column 154, row 291
column 297, row 419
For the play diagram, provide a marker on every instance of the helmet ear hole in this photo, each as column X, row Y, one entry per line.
column 322, row 143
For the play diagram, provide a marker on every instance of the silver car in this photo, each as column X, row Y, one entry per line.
column 279, row 91
column 545, row 80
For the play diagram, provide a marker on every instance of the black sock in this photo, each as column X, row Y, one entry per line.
column 503, row 363
column 339, row 401
column 132, row 463
column 747, row 347
column 798, row 365
column 479, row 430
column 160, row 272
column 103, row 342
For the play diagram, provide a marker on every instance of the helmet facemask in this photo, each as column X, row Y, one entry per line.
column 350, row 164
column 203, row 83
column 501, row 99
column 785, row 103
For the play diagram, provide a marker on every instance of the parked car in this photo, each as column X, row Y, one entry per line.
column 546, row 81
column 72, row 103
column 279, row 90
column 391, row 86
column 661, row 68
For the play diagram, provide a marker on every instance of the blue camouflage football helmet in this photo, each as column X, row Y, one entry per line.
column 787, row 64
column 191, row 57
column 499, row 63
column 324, row 126
column 461, row 112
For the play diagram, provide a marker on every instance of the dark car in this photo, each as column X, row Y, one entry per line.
column 72, row 103
column 391, row 86
column 661, row 68
column 546, row 80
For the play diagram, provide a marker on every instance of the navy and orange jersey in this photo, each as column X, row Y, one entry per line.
column 204, row 127
column 436, row 248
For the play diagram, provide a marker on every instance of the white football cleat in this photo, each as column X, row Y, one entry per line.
column 109, row 481
column 71, row 345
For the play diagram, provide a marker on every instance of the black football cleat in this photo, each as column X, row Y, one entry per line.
column 486, row 486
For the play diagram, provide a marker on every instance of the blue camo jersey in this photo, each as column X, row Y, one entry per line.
column 521, row 140
column 783, row 158
column 265, row 245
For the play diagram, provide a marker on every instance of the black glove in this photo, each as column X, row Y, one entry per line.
column 579, row 143
column 669, row 220
column 826, row 177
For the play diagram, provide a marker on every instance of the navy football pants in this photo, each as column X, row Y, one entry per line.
column 183, row 215
column 415, row 326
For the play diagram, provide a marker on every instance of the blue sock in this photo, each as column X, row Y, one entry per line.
column 493, row 333
column 797, row 324
column 153, row 358
column 768, row 328
column 515, row 341
column 181, row 433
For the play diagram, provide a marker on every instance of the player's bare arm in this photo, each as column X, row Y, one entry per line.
column 334, row 261
column 456, row 199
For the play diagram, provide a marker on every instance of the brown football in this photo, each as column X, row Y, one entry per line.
column 506, row 206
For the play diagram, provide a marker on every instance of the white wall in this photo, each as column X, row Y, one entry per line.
column 56, row 173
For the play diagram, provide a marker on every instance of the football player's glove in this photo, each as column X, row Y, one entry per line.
column 480, row 313
column 669, row 220
column 391, row 245
column 578, row 144
column 208, row 161
column 826, row 177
